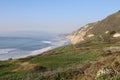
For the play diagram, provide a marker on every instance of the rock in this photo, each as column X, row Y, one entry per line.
column 10, row 59
column 116, row 35
column 90, row 35
column 106, row 32
column 111, row 50
column 80, row 35
column 114, row 49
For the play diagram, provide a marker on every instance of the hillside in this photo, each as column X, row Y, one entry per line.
column 92, row 61
column 107, row 25
column 95, row 55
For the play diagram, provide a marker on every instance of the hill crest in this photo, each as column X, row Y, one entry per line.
column 108, row 25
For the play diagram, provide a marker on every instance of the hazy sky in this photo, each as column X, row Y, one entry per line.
column 52, row 15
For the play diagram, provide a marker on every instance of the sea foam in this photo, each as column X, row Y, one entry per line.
column 5, row 51
column 35, row 52
column 48, row 42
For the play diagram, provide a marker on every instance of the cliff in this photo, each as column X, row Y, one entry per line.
column 108, row 25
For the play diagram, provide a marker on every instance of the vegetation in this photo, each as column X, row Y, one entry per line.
column 63, row 63
column 64, row 58
column 95, row 58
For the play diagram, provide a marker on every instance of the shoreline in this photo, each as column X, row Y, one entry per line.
column 63, row 41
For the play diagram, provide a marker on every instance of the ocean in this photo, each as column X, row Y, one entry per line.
column 19, row 47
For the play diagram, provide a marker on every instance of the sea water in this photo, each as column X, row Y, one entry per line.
column 19, row 47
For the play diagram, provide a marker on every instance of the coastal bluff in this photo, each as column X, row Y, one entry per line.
column 109, row 25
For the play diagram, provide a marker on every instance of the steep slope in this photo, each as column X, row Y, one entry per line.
column 107, row 25
column 81, row 34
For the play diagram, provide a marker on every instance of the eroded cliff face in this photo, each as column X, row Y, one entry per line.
column 81, row 34
column 106, row 26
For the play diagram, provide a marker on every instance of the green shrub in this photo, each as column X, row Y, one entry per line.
column 117, row 77
column 112, row 32
column 117, row 63
column 64, row 79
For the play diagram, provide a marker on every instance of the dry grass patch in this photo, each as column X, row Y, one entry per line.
column 24, row 66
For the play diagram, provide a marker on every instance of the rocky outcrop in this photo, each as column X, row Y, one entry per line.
column 116, row 35
column 81, row 34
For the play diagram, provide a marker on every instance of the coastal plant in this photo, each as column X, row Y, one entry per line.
column 117, row 77
column 105, row 73
column 64, row 78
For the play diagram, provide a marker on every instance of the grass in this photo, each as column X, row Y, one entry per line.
column 59, row 61
column 117, row 77
column 66, row 59
column 63, row 58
